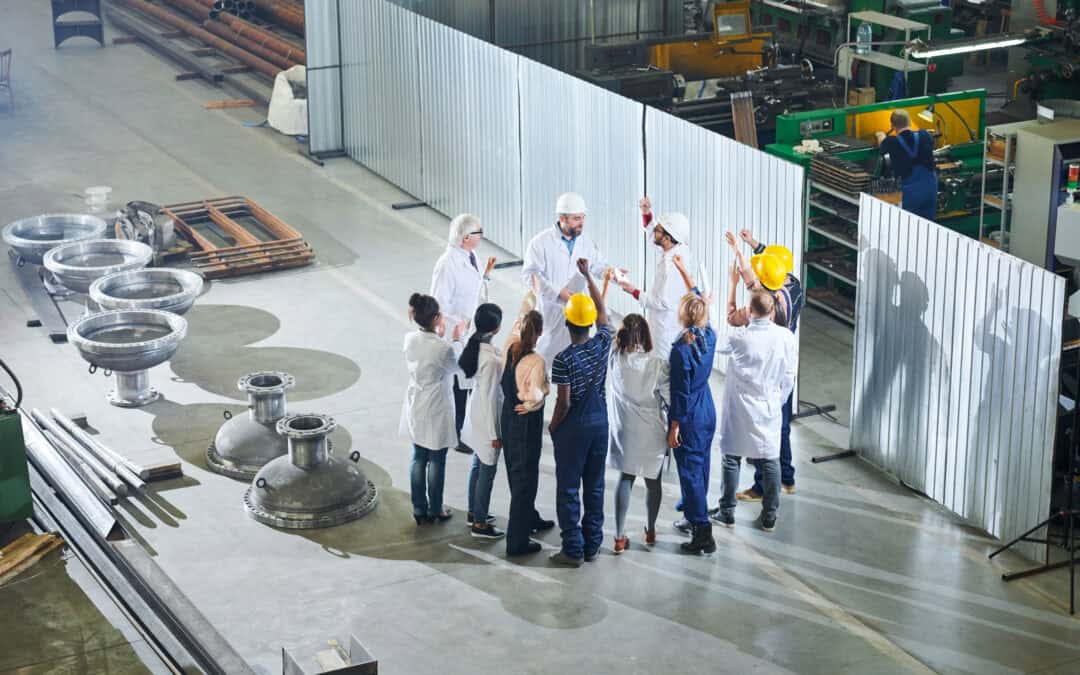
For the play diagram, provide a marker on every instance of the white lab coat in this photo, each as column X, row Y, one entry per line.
column 427, row 414
column 556, row 268
column 661, row 301
column 639, row 389
column 763, row 359
column 460, row 288
column 481, row 425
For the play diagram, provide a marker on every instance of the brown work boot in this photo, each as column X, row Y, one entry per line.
column 748, row 495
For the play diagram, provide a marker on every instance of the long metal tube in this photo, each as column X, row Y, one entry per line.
column 261, row 65
column 220, row 29
column 114, row 462
column 283, row 13
column 148, row 35
column 71, row 447
column 82, row 470
column 253, row 33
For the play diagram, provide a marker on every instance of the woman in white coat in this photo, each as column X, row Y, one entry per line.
column 427, row 415
column 482, row 362
column 639, row 390
column 761, row 374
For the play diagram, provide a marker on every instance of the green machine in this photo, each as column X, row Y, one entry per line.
column 814, row 29
column 1053, row 56
column 849, row 163
column 15, row 502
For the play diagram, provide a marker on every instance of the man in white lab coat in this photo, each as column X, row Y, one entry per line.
column 760, row 377
column 551, row 257
column 671, row 234
column 460, row 285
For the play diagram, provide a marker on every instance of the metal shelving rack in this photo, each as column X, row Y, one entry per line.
column 906, row 26
column 834, row 276
column 999, row 201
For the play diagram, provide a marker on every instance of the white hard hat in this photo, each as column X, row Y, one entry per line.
column 676, row 225
column 569, row 202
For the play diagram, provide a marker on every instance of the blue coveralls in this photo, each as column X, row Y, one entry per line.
column 581, row 443
column 692, row 407
column 920, row 182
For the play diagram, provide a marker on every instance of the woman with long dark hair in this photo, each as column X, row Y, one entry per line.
column 524, row 387
column 638, row 380
column 482, row 363
column 427, row 414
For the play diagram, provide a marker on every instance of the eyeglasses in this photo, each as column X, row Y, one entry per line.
column 478, row 233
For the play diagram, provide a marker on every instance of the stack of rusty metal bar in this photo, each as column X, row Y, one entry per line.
column 236, row 236
column 282, row 12
column 257, row 48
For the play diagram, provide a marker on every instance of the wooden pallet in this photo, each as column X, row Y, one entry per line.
column 244, row 251
column 25, row 552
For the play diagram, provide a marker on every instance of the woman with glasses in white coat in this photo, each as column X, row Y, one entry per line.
column 427, row 414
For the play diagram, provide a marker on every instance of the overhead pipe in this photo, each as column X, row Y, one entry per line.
column 294, row 54
column 254, row 62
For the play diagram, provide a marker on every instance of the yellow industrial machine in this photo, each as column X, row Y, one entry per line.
column 731, row 49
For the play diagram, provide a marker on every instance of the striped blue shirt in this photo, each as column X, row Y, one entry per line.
column 584, row 365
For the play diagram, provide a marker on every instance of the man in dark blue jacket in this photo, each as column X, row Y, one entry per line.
column 911, row 154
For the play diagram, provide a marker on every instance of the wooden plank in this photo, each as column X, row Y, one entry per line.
column 255, row 258
column 15, row 554
column 239, row 271
column 272, row 222
column 242, row 103
column 267, row 247
column 27, row 563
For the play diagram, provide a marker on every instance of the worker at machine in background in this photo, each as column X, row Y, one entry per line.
column 459, row 285
column 789, row 299
column 670, row 233
column 911, row 154
column 550, row 257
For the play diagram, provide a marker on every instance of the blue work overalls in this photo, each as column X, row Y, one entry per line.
column 581, row 443
column 920, row 186
column 692, row 406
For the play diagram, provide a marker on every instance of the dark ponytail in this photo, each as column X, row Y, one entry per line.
column 487, row 320
column 424, row 309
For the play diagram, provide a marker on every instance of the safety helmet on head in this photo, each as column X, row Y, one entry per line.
column 784, row 253
column 569, row 203
column 677, row 225
column 769, row 270
column 580, row 310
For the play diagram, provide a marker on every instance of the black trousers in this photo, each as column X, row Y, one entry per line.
column 461, row 397
column 522, row 440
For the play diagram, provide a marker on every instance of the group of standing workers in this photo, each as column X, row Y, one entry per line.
column 629, row 397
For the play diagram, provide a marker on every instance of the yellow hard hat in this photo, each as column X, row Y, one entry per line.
column 769, row 270
column 580, row 310
column 784, row 253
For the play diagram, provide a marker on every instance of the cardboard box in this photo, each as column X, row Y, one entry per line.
column 861, row 96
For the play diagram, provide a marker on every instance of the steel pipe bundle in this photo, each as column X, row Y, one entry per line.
column 253, row 33
column 122, row 467
column 103, row 482
column 242, row 55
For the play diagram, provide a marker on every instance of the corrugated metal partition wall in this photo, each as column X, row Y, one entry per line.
column 381, row 90
column 323, row 76
column 469, row 122
column 957, row 359
column 721, row 185
column 581, row 138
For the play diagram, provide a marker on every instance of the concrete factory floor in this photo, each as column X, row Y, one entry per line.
column 860, row 576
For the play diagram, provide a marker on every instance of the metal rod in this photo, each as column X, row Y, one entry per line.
column 119, row 465
column 72, row 449
column 84, row 472
column 267, row 40
column 220, row 29
column 152, row 38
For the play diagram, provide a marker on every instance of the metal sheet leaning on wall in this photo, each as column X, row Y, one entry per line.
column 323, row 76
column 957, row 360
column 576, row 137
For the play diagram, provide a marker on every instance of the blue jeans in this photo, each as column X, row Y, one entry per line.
column 787, row 469
column 580, row 457
column 427, row 477
column 770, row 497
column 481, row 479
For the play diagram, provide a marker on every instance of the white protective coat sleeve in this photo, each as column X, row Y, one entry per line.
column 442, row 289
column 488, row 378
column 534, row 266
column 791, row 367
column 663, row 384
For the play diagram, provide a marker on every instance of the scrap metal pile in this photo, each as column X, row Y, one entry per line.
column 261, row 37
